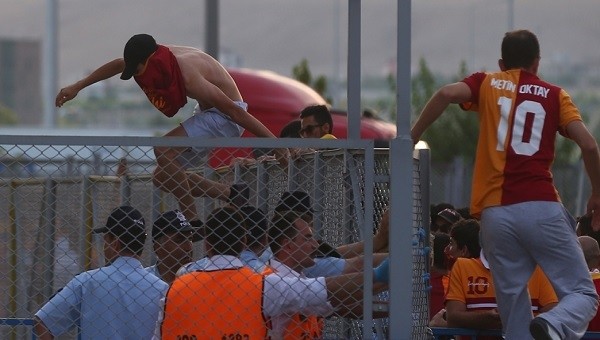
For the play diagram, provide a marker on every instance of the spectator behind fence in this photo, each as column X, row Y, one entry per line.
column 168, row 74
column 524, row 222
column 326, row 260
column 293, row 244
column 471, row 298
column 435, row 221
column 257, row 239
column 463, row 243
column 240, row 300
column 584, row 227
column 446, row 219
column 172, row 237
column 119, row 301
column 439, row 274
column 331, row 261
column 591, row 251
column 291, row 129
column 316, row 122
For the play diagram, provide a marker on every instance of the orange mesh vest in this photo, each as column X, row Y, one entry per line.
column 222, row 304
column 304, row 327
column 301, row 326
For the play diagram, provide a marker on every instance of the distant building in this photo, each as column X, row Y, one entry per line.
column 20, row 79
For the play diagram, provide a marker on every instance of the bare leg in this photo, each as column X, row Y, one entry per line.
column 200, row 186
column 170, row 176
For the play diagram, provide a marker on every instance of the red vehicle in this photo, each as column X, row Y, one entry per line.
column 276, row 100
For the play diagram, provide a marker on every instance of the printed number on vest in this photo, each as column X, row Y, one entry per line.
column 236, row 336
column 527, row 108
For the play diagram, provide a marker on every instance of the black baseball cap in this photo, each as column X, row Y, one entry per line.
column 137, row 49
column 173, row 222
column 450, row 215
column 125, row 222
column 294, row 200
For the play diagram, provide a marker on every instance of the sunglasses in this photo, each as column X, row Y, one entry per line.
column 309, row 129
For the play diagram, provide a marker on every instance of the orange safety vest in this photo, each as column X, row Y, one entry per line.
column 222, row 304
column 301, row 326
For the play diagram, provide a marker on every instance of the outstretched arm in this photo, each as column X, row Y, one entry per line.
column 103, row 72
column 380, row 240
column 591, row 159
column 452, row 93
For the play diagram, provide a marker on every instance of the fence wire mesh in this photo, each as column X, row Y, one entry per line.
column 52, row 195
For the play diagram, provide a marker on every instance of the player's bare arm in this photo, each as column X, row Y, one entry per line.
column 452, row 93
column 108, row 70
column 591, row 159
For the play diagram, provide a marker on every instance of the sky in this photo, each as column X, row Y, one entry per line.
column 278, row 34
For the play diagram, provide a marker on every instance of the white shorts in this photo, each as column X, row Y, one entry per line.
column 209, row 123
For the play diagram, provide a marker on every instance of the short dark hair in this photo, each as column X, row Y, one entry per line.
column 440, row 241
column 291, row 130
column 466, row 233
column 434, row 210
column 520, row 49
column 256, row 225
column 225, row 231
column 320, row 113
column 282, row 227
column 584, row 227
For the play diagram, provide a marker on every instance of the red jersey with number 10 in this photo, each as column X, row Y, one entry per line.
column 520, row 115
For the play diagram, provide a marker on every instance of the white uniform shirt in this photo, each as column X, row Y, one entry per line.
column 279, row 322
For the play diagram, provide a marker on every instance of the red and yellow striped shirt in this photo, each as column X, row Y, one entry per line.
column 520, row 115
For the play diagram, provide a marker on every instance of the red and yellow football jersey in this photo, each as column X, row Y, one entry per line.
column 471, row 283
column 520, row 115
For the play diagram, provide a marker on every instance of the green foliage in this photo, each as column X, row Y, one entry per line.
column 455, row 133
column 301, row 72
column 7, row 116
column 423, row 85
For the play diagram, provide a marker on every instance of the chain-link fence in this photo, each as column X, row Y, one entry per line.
column 57, row 190
column 451, row 183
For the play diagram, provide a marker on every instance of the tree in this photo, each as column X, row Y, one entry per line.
column 455, row 133
column 7, row 116
column 301, row 72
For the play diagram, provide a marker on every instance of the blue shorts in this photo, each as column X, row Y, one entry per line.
column 209, row 123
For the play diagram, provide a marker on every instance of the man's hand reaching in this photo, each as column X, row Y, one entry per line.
column 283, row 156
column 66, row 94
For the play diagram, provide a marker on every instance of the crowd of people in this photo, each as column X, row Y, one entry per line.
column 260, row 278
column 526, row 236
column 517, row 263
